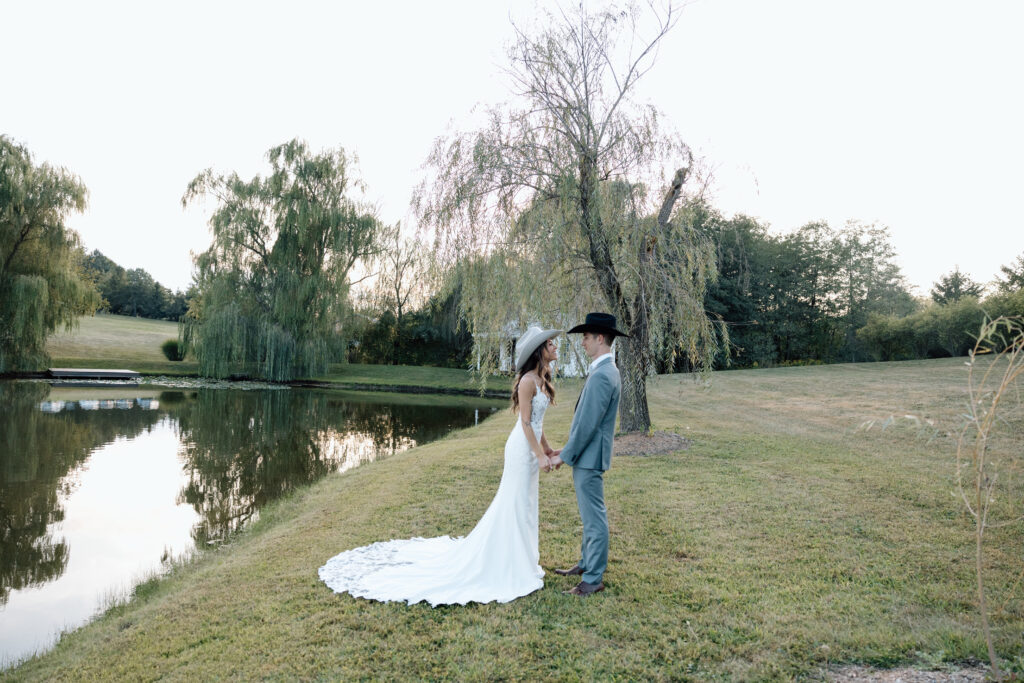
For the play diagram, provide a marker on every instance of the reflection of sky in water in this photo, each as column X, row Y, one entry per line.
column 125, row 505
column 352, row 449
column 120, row 518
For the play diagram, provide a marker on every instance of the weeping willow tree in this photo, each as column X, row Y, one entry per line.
column 273, row 286
column 42, row 286
column 565, row 205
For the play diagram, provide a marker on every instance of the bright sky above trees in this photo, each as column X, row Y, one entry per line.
column 906, row 113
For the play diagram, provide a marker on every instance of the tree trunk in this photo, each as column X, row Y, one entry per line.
column 634, row 353
column 634, row 415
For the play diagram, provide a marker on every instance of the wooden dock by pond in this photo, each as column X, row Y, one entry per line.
column 91, row 373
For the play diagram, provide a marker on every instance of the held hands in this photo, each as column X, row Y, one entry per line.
column 551, row 460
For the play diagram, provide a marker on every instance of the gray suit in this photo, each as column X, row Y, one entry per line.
column 589, row 452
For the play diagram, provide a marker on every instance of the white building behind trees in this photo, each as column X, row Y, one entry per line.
column 572, row 360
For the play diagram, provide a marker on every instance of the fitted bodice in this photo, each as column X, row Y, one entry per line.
column 538, row 405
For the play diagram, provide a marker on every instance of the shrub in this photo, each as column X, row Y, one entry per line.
column 173, row 350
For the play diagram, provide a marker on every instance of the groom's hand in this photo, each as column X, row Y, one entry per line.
column 556, row 461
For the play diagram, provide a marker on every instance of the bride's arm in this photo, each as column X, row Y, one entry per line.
column 527, row 389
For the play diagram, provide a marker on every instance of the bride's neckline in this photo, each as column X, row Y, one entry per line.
column 537, row 384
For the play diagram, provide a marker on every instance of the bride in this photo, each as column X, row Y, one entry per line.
column 498, row 560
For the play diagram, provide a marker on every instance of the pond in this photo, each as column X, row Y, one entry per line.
column 102, row 487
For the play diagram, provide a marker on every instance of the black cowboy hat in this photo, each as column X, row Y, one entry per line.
column 602, row 323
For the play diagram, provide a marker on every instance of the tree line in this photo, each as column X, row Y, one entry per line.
column 821, row 294
column 132, row 292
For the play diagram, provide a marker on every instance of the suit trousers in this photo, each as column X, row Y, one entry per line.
column 589, row 485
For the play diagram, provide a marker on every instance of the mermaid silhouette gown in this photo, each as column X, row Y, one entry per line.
column 497, row 561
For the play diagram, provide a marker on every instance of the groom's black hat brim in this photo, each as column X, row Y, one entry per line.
column 598, row 329
column 601, row 323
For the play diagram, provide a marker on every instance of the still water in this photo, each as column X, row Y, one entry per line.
column 100, row 487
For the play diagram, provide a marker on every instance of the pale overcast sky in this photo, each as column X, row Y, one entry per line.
column 906, row 113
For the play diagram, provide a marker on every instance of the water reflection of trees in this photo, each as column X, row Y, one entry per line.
column 37, row 451
column 243, row 449
column 240, row 450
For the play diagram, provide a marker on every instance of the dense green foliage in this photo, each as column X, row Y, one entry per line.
column 41, row 282
column 272, row 289
column 1011, row 277
column 173, row 349
column 431, row 335
column 947, row 329
column 801, row 296
column 825, row 295
column 133, row 292
column 954, row 286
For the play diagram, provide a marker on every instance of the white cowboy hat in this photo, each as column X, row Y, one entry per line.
column 531, row 339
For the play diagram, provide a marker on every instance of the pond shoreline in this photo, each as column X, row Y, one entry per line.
column 400, row 389
column 314, row 384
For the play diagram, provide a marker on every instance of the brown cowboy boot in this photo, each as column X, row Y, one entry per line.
column 583, row 589
column 575, row 571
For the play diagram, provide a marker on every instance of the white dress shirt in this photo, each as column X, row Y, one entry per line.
column 597, row 360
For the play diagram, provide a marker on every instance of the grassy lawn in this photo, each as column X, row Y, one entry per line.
column 113, row 337
column 116, row 341
column 785, row 527
column 408, row 375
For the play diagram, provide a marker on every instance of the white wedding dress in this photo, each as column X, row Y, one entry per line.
column 497, row 561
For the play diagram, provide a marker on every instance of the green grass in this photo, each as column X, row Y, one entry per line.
column 113, row 337
column 116, row 341
column 410, row 376
column 785, row 527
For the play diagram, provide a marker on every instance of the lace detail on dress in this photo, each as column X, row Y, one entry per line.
column 538, row 406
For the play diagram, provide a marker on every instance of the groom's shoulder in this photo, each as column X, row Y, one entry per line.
column 607, row 370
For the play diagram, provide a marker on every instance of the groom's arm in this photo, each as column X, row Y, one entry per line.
column 588, row 416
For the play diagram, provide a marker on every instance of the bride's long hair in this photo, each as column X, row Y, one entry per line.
column 535, row 362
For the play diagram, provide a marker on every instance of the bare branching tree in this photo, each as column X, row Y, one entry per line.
column 400, row 271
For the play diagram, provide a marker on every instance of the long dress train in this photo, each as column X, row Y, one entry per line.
column 497, row 561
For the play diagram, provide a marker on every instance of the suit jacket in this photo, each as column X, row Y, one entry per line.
column 593, row 425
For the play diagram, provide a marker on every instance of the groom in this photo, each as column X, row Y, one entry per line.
column 589, row 449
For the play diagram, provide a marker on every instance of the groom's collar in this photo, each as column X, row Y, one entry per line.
column 594, row 363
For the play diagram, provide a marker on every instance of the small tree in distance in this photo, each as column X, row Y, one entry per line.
column 954, row 286
column 1012, row 278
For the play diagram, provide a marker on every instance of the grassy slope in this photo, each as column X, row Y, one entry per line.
column 116, row 341
column 782, row 529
